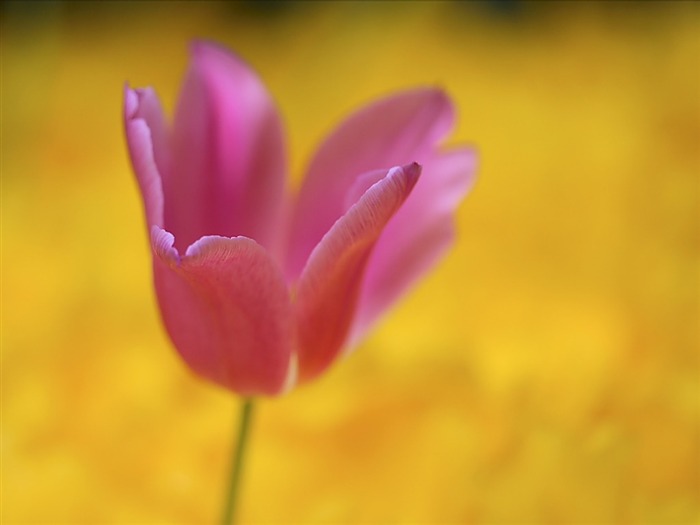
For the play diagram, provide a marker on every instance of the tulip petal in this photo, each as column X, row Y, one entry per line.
column 330, row 283
column 146, row 136
column 417, row 237
column 391, row 132
column 229, row 161
column 227, row 309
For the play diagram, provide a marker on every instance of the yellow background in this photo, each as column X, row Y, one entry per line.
column 547, row 372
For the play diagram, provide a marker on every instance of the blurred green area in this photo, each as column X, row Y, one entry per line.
column 547, row 372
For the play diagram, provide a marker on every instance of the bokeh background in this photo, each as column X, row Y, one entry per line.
column 546, row 372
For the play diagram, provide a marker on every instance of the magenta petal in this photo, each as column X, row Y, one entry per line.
column 146, row 136
column 330, row 283
column 227, row 309
column 228, row 154
column 416, row 237
column 391, row 132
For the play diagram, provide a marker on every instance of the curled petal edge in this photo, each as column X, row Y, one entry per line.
column 329, row 285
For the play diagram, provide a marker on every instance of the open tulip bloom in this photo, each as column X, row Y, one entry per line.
column 261, row 289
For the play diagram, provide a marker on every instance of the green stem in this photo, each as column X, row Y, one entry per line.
column 234, row 482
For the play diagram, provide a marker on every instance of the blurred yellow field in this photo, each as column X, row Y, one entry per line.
column 547, row 372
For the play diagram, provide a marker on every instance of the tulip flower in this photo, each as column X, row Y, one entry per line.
column 261, row 288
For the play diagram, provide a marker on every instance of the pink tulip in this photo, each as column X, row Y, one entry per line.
column 260, row 288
